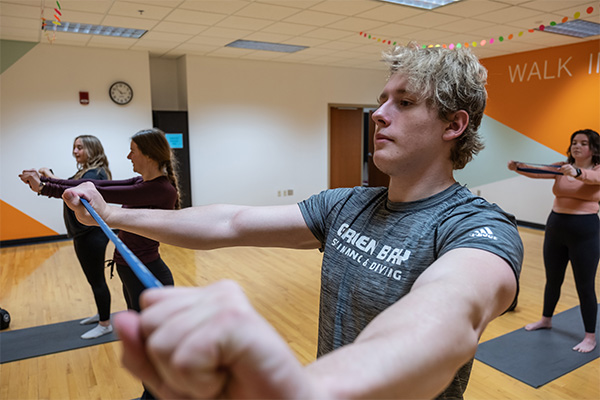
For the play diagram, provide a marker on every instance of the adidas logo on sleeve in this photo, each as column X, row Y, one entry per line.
column 484, row 232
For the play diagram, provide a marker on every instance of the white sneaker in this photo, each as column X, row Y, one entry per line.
column 98, row 331
column 90, row 320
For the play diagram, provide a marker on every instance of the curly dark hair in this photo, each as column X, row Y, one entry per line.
column 594, row 140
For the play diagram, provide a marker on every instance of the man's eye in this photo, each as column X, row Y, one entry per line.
column 404, row 103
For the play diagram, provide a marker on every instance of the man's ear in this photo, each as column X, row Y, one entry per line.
column 457, row 125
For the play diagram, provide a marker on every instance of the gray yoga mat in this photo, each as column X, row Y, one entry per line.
column 539, row 357
column 46, row 339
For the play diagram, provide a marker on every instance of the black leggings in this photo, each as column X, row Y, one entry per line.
column 90, row 249
column 133, row 288
column 574, row 238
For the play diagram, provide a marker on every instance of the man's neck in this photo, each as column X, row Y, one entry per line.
column 413, row 188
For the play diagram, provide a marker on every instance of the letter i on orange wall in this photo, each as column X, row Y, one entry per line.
column 547, row 94
column 16, row 225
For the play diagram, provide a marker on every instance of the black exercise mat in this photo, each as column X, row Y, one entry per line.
column 539, row 357
column 47, row 339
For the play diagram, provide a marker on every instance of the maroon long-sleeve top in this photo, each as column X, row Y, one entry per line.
column 131, row 193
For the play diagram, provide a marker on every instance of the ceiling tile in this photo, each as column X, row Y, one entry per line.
column 300, row 4
column 356, row 24
column 391, row 13
column 215, row 6
column 243, row 23
column 95, row 6
column 306, row 41
column 197, row 48
column 231, row 52
column 314, row 18
column 288, row 28
column 113, row 42
column 16, row 22
column 472, row 8
column 226, row 33
column 464, row 25
column 194, row 17
column 178, row 27
column 326, row 33
column 394, row 30
column 20, row 34
column 138, row 10
column 267, row 11
column 125, row 22
column 345, row 7
column 507, row 14
column 21, row 10
column 166, row 37
column 557, row 5
column 78, row 17
column 429, row 20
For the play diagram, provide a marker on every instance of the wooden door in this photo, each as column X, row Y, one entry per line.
column 345, row 147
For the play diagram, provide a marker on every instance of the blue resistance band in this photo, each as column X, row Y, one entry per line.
column 539, row 170
column 139, row 269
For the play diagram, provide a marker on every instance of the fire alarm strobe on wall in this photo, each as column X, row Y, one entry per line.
column 121, row 93
column 84, row 98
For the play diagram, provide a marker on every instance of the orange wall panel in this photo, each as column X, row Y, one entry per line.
column 16, row 225
column 547, row 94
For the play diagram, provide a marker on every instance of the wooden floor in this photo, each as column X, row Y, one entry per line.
column 43, row 284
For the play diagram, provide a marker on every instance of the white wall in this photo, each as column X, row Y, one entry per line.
column 40, row 115
column 258, row 127
column 165, row 84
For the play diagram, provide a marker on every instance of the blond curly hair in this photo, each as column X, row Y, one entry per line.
column 448, row 81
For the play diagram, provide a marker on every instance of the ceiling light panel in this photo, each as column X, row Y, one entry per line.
column 256, row 45
column 91, row 29
column 577, row 27
column 426, row 4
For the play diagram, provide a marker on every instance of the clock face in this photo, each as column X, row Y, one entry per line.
column 121, row 93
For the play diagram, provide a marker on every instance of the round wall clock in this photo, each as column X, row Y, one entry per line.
column 121, row 93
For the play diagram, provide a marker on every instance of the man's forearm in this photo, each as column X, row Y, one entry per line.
column 202, row 228
column 220, row 225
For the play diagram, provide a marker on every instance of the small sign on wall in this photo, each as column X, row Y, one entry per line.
column 175, row 140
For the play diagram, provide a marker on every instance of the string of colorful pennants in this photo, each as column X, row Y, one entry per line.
column 483, row 42
column 56, row 21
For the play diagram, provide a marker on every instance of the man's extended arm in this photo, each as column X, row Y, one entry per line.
column 209, row 342
column 206, row 227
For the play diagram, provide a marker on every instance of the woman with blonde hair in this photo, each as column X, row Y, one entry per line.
column 89, row 241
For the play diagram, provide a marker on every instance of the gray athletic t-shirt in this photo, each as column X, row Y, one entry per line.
column 375, row 249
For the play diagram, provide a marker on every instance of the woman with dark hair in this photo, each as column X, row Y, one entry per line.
column 156, row 187
column 573, row 231
column 89, row 242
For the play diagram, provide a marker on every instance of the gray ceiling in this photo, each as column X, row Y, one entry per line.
column 331, row 28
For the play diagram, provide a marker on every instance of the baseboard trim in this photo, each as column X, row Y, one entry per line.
column 34, row 240
column 532, row 225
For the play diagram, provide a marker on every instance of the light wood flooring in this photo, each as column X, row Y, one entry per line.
column 43, row 284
